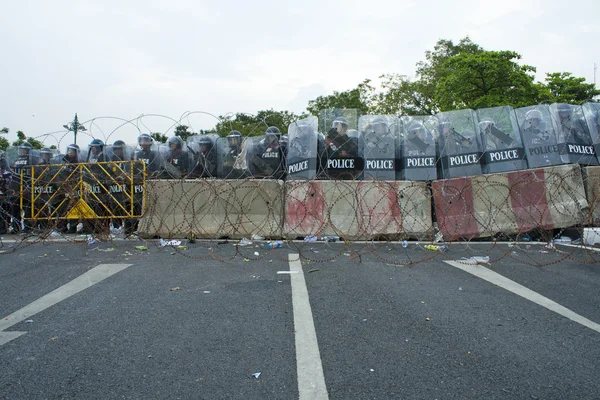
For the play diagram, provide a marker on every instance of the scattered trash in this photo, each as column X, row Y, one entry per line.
column 191, row 238
column 550, row 245
column 244, row 242
column 246, row 260
column 143, row 248
column 427, row 319
column 256, row 374
column 371, row 370
column 109, row 249
column 182, row 247
column 438, row 237
column 274, row 245
column 164, row 243
column 543, row 251
column 476, row 260
column 591, row 236
column 91, row 240
column 175, row 288
column 459, row 288
column 29, row 321
column 149, row 356
column 79, row 227
column 432, row 247
column 404, row 244
column 54, row 338
column 257, row 237
column 313, row 270
column 54, row 234
column 206, row 292
column 173, row 253
column 311, row 238
column 347, row 254
column 256, row 253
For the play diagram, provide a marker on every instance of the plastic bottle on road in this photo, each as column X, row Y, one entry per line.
column 274, row 245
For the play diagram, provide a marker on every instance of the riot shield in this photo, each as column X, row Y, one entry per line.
column 204, row 152
column 538, row 135
column 266, row 157
column 417, row 154
column 378, row 135
column 20, row 159
column 302, row 149
column 232, row 158
column 328, row 117
column 575, row 142
column 591, row 112
column 459, row 145
column 176, row 162
column 119, row 152
column 149, row 154
column 502, row 144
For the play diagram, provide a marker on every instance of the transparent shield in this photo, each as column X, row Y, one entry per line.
column 232, row 159
column 501, row 140
column 591, row 112
column 302, row 149
column 575, row 141
column 203, row 150
column 149, row 155
column 176, row 162
column 118, row 153
column 340, row 156
column 459, row 144
column 266, row 157
column 538, row 136
column 328, row 117
column 417, row 152
column 377, row 142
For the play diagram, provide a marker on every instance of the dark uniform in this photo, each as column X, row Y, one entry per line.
column 177, row 163
column 460, row 152
column 576, row 145
column 5, row 188
column 206, row 159
column 343, row 161
column 22, row 168
column 148, row 155
column 418, row 154
column 233, row 158
column 541, row 146
column 267, row 160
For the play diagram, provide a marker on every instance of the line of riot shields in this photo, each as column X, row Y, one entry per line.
column 342, row 145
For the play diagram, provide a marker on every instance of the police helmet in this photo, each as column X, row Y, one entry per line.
column 45, row 150
column 118, row 144
column 96, row 143
column 234, row 138
column 176, row 141
column 533, row 115
column 24, row 148
column 72, row 147
column 3, row 162
column 145, row 138
column 564, row 110
column 486, row 123
column 340, row 121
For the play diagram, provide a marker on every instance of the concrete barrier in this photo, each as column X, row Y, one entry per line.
column 213, row 208
column 510, row 203
column 358, row 210
column 591, row 181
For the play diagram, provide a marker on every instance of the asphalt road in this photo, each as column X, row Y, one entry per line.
column 390, row 322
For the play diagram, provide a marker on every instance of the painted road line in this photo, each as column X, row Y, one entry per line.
column 484, row 273
column 311, row 381
column 88, row 279
column 578, row 246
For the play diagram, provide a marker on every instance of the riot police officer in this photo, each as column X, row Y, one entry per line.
column 45, row 156
column 95, row 153
column 342, row 152
column 267, row 157
column 72, row 156
column 234, row 165
column 575, row 131
column 460, row 153
column 22, row 167
column 540, row 141
column 206, row 163
column 147, row 154
column 178, row 161
column 418, row 154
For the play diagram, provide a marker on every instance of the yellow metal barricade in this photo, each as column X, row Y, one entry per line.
column 84, row 191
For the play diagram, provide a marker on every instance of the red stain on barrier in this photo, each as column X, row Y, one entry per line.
column 454, row 208
column 379, row 208
column 305, row 208
column 528, row 199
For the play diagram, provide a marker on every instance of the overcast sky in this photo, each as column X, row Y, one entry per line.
column 131, row 57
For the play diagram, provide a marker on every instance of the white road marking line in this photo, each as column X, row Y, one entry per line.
column 311, row 381
column 505, row 283
column 90, row 278
column 578, row 246
column 286, row 272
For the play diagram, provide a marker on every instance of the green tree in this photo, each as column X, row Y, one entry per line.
column 4, row 143
column 255, row 125
column 36, row 144
column 183, row 131
column 361, row 98
column 159, row 137
column 486, row 79
column 402, row 95
column 563, row 87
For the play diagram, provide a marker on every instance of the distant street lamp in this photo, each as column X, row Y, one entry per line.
column 74, row 127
